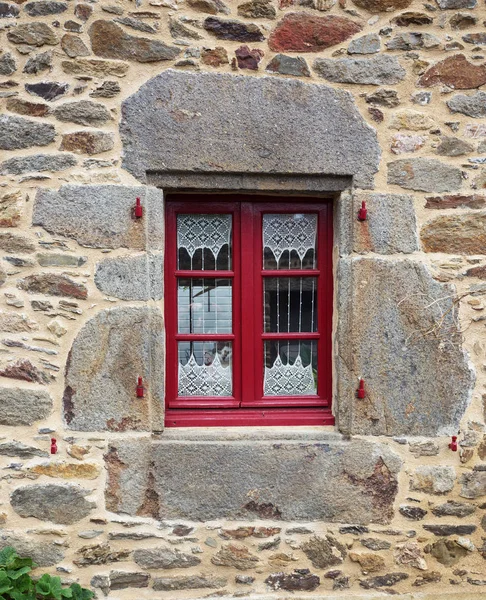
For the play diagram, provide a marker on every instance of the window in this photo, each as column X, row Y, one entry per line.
column 248, row 293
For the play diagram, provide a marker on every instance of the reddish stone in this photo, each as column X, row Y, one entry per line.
column 24, row 370
column 214, row 57
column 376, row 6
column 456, row 72
column 53, row 285
column 303, row 32
column 376, row 115
column 480, row 273
column 456, row 201
column 23, row 107
column 248, row 59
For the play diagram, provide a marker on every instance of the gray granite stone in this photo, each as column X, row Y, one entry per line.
column 433, row 479
column 59, row 503
column 424, row 175
column 37, row 64
column 135, row 277
column 43, row 552
column 398, row 331
column 112, row 349
column 21, row 406
column 83, row 112
column 333, row 480
column 391, row 225
column 37, row 163
column 164, row 558
column 190, row 582
column 378, row 70
column 288, row 65
column 21, row 450
column 366, row 44
column 8, row 64
column 45, row 8
column 100, row 216
column 164, row 128
column 473, row 484
column 17, row 133
column 472, row 106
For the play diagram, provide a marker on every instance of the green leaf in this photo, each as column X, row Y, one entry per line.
column 15, row 574
column 7, row 555
column 43, row 586
column 80, row 593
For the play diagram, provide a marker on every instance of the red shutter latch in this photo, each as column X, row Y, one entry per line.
column 453, row 444
column 363, row 212
column 138, row 209
column 140, row 388
column 53, row 446
column 361, row 389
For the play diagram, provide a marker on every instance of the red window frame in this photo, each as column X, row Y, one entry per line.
column 248, row 406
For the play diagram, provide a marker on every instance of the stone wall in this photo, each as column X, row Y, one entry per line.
column 381, row 100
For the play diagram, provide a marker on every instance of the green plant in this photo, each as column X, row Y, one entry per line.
column 17, row 584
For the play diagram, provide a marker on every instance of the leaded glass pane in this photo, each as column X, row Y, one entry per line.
column 289, row 241
column 290, row 368
column 290, row 304
column 205, row 369
column 204, row 305
column 204, row 242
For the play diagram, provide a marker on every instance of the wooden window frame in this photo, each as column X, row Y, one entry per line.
column 248, row 406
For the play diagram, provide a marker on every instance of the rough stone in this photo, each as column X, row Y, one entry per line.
column 59, row 503
column 45, row 8
column 136, row 277
column 60, row 260
column 377, row 299
column 447, row 552
column 472, row 106
column 189, row 582
column 353, row 482
column 74, row 46
column 108, row 89
column 473, row 484
column 383, row 580
column 456, row 4
column 155, row 138
column 64, row 470
column 369, row 562
column 88, row 142
column 99, row 554
column 305, row 32
column 324, row 552
column 24, row 370
column 412, row 18
column 462, row 21
column 425, row 448
column 11, row 208
column 414, row 513
column 288, row 65
column 377, row 6
column 120, row 580
column 33, row 34
column 413, row 41
column 108, row 40
column 391, row 225
column 366, row 44
column 16, row 322
column 99, row 388
column 237, row 31
column 37, row 163
column 7, row 64
column 382, row 97
column 412, row 120
column 84, row 112
column 215, row 57
column 451, row 146
column 461, row 234
column 478, row 39
column 236, row 556
column 83, row 11
column 424, row 174
column 136, row 24
column 164, row 558
column 38, row 63
column 456, row 72
column 21, row 450
column 433, row 479
column 248, row 59
column 299, row 580
column 409, row 554
column 8, row 11
column 446, row 530
column 23, row 107
column 402, row 143
column 378, row 70
column 17, row 133
column 455, row 201
column 53, row 285
column 95, row 67
column 98, row 216
column 20, row 406
column 179, row 30
column 43, row 553
column 16, row 243
column 49, row 90
column 257, row 9
column 375, row 544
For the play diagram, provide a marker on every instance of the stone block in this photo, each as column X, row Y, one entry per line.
column 461, row 234
column 135, row 277
column 17, row 133
column 109, row 353
column 37, row 162
column 398, row 331
column 100, row 216
column 391, row 225
column 44, row 553
column 379, row 70
column 20, row 406
column 170, row 134
column 327, row 480
column 424, row 174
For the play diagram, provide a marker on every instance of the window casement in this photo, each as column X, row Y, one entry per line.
column 248, row 304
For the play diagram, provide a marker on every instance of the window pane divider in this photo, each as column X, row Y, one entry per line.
column 292, row 335
column 205, row 274
column 291, row 273
column 204, row 337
